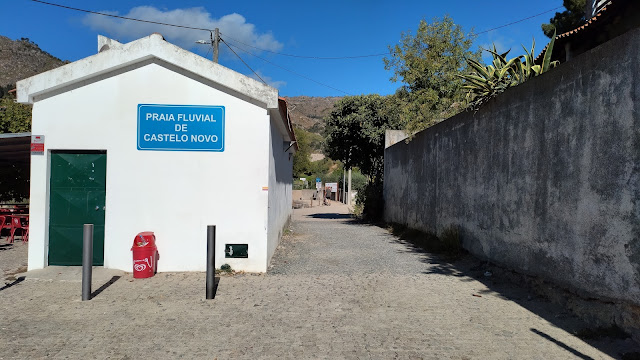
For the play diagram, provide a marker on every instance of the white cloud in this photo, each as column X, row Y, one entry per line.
column 233, row 26
column 274, row 83
column 502, row 44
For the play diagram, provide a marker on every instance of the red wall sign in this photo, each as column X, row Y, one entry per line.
column 37, row 144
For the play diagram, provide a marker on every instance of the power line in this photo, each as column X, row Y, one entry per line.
column 119, row 17
column 244, row 62
column 285, row 69
column 519, row 21
column 309, row 57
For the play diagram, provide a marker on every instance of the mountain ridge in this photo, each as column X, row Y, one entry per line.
column 22, row 58
column 309, row 112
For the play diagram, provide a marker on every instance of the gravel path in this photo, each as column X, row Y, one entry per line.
column 336, row 290
column 328, row 241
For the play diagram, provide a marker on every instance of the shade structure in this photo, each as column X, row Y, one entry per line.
column 15, row 149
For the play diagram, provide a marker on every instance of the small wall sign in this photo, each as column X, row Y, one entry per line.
column 37, row 144
column 236, row 250
column 181, row 127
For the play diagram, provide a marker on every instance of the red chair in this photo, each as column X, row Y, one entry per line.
column 21, row 223
column 5, row 223
column 2, row 220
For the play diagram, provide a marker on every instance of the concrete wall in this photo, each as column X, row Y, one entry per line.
column 173, row 193
column 280, row 187
column 305, row 194
column 392, row 137
column 543, row 179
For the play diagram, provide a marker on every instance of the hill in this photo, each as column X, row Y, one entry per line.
column 308, row 112
column 20, row 59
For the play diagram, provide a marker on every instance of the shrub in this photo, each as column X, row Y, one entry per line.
column 372, row 201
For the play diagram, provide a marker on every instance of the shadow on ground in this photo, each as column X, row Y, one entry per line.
column 330, row 216
column 216, row 283
column 560, row 344
column 15, row 282
column 105, row 286
column 521, row 289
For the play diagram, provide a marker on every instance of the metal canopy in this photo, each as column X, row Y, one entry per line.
column 15, row 149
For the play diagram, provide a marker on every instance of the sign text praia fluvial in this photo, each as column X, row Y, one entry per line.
column 181, row 127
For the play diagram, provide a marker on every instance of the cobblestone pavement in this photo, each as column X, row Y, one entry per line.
column 336, row 290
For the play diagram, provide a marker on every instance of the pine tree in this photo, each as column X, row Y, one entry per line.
column 567, row 20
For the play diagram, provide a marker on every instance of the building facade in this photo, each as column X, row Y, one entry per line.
column 146, row 136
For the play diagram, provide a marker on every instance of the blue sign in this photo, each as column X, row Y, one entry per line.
column 180, row 127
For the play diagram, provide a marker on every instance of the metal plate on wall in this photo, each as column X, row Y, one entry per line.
column 236, row 250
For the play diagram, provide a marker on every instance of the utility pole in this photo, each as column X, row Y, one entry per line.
column 214, row 41
column 216, row 45
column 349, row 188
column 344, row 186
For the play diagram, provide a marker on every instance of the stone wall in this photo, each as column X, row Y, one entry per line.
column 543, row 179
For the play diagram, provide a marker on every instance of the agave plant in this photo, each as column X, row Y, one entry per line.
column 485, row 82
column 530, row 69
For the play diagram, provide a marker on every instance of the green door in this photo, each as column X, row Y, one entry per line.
column 77, row 188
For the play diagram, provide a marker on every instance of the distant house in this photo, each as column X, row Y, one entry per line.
column 146, row 136
column 606, row 19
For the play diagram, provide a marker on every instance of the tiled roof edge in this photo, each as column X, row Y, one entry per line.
column 569, row 33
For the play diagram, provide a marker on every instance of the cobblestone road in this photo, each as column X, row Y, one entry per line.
column 336, row 290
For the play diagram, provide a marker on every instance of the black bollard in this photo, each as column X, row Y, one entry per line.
column 87, row 261
column 211, row 260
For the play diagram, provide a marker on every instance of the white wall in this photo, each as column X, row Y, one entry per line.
column 280, row 187
column 175, row 194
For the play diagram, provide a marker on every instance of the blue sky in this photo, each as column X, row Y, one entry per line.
column 309, row 28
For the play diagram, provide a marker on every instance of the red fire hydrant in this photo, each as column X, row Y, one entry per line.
column 145, row 255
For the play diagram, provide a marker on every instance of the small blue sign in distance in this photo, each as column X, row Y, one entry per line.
column 180, row 127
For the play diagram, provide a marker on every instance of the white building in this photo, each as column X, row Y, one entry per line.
column 146, row 136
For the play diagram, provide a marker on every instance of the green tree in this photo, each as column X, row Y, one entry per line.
column 316, row 142
column 358, row 180
column 428, row 64
column 333, row 175
column 355, row 132
column 321, row 167
column 355, row 135
column 572, row 18
column 301, row 159
column 14, row 117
